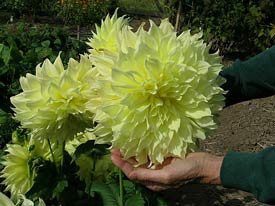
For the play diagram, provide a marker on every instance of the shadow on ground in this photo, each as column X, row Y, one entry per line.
column 208, row 195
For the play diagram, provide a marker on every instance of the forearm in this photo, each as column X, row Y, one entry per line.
column 254, row 78
column 252, row 172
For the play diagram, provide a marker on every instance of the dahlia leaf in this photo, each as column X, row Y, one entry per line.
column 135, row 200
column 109, row 193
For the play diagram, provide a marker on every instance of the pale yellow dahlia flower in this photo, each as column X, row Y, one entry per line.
column 52, row 103
column 18, row 176
column 105, row 36
column 18, row 172
column 160, row 93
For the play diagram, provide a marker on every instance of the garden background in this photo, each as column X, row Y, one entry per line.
column 31, row 31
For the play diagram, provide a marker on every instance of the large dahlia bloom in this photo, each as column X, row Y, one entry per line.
column 52, row 103
column 159, row 92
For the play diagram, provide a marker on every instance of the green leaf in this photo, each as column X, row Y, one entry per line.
column 108, row 192
column 90, row 148
column 45, row 181
column 45, row 43
column 44, row 52
column 84, row 148
column 57, row 42
column 4, row 70
column 3, row 117
column 61, row 185
column 161, row 202
column 5, row 53
column 272, row 31
column 135, row 200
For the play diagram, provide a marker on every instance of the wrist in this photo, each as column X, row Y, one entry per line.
column 211, row 169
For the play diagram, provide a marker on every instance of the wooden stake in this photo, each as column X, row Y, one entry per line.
column 177, row 25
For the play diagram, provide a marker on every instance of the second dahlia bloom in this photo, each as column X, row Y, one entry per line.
column 52, row 103
column 161, row 94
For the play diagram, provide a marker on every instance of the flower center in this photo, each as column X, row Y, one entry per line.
column 150, row 87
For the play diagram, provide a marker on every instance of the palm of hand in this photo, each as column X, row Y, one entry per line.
column 173, row 173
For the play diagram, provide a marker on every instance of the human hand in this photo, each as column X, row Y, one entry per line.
column 174, row 172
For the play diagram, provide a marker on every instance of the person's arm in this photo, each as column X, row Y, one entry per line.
column 174, row 172
column 254, row 78
column 251, row 172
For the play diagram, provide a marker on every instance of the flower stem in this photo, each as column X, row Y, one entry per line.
column 51, row 150
column 63, row 158
column 120, row 188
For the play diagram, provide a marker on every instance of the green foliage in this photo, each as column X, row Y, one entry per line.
column 91, row 149
column 59, row 184
column 30, row 7
column 232, row 26
column 148, row 7
column 108, row 192
column 84, row 11
column 22, row 47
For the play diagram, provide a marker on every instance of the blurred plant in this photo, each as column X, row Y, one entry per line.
column 80, row 12
column 30, row 7
column 232, row 26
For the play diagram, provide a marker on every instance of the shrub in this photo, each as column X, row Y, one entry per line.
column 232, row 26
column 30, row 7
column 84, row 11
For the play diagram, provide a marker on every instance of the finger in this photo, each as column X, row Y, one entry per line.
column 116, row 152
column 149, row 175
column 125, row 166
column 139, row 174
column 156, row 187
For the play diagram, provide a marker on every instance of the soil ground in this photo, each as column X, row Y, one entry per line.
column 248, row 127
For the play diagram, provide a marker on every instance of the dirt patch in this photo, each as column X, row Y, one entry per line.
column 247, row 127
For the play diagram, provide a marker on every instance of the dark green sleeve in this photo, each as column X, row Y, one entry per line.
column 251, row 172
column 254, row 78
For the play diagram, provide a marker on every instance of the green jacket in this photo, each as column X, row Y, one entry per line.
column 252, row 172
